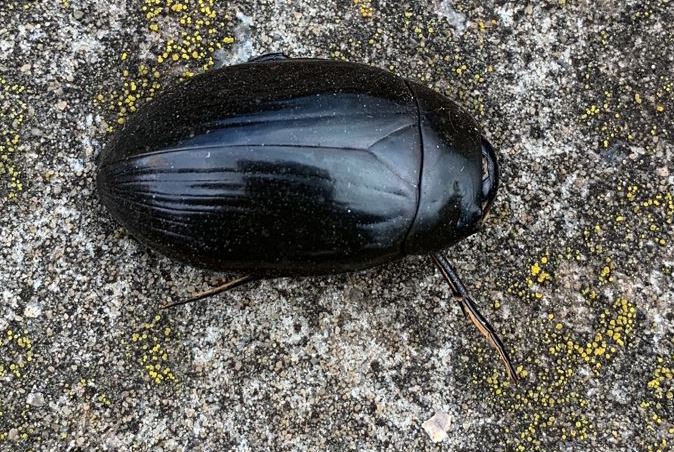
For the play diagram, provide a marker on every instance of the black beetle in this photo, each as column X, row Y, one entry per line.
column 293, row 167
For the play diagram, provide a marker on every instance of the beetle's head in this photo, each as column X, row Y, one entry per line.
column 490, row 177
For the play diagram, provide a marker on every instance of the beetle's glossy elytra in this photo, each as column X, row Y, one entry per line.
column 282, row 167
column 297, row 166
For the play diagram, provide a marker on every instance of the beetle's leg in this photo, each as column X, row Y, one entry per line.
column 214, row 291
column 471, row 311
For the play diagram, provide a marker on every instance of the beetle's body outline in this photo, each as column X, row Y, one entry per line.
column 256, row 169
column 295, row 167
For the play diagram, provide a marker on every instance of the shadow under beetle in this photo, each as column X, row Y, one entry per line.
column 295, row 167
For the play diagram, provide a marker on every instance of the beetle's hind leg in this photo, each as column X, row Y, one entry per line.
column 471, row 311
column 214, row 291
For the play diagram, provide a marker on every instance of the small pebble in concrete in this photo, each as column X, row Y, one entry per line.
column 35, row 399
column 437, row 426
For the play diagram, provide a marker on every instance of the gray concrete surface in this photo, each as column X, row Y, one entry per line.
column 575, row 267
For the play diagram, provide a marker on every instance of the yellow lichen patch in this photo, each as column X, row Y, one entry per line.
column 538, row 270
column 16, row 354
column 539, row 275
column 16, row 351
column 104, row 400
column 642, row 217
column 13, row 112
column 605, row 272
column 626, row 114
column 615, row 327
column 187, row 34
column 653, row 214
column 364, row 7
column 151, row 342
column 593, row 110
column 549, row 405
column 658, row 409
column 549, row 402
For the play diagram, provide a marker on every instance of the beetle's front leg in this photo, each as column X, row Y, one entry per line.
column 470, row 309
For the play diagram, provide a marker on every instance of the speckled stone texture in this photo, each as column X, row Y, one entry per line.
column 575, row 267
